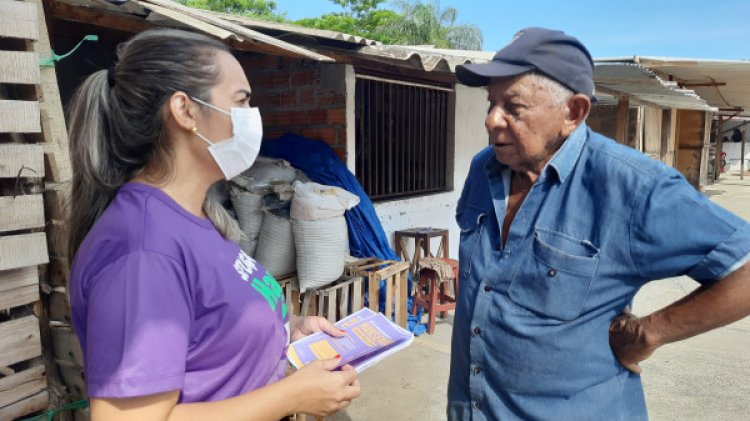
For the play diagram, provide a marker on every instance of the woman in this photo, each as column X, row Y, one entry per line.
column 174, row 320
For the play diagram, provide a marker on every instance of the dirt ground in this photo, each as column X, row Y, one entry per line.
column 702, row 378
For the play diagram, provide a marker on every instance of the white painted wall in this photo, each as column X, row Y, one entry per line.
column 350, row 79
column 733, row 151
column 438, row 210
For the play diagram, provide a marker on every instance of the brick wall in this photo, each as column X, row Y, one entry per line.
column 299, row 96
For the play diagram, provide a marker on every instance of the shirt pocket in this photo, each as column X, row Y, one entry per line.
column 471, row 223
column 555, row 274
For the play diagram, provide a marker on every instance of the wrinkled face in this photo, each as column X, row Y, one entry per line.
column 524, row 123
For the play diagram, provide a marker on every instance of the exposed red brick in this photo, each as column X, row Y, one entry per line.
column 289, row 62
column 340, row 152
column 336, row 116
column 287, row 118
column 273, row 133
column 332, row 99
column 287, row 99
column 281, row 80
column 264, row 100
column 259, row 62
column 303, row 78
column 317, row 116
column 307, row 97
column 260, row 81
column 326, row 134
column 274, row 61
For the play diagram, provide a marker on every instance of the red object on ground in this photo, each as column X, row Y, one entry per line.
column 431, row 293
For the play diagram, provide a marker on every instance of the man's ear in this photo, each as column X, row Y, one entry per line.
column 579, row 106
column 183, row 110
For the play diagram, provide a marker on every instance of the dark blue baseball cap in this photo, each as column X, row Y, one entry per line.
column 549, row 52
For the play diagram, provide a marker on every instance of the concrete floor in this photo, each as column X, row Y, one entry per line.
column 702, row 378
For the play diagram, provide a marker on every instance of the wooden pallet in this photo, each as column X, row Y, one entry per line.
column 33, row 165
column 23, row 242
column 396, row 278
column 65, row 357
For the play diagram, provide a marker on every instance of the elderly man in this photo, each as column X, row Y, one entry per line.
column 560, row 227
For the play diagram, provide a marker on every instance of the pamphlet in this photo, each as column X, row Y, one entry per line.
column 370, row 337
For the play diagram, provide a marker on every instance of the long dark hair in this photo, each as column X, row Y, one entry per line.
column 117, row 122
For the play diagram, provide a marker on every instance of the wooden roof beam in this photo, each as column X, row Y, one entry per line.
column 698, row 84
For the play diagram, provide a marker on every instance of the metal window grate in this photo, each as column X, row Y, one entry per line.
column 401, row 138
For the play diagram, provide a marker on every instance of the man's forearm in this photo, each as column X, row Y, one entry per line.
column 706, row 308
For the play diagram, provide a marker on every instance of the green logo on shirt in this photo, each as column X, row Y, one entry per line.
column 271, row 291
column 267, row 287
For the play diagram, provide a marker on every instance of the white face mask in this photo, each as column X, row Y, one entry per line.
column 238, row 153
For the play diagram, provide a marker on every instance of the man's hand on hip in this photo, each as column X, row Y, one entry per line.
column 628, row 340
column 633, row 339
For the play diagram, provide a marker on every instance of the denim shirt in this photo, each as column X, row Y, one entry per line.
column 530, row 334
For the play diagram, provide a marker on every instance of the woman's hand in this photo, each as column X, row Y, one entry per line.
column 321, row 391
column 303, row 326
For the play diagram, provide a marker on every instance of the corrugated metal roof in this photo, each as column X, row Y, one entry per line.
column 200, row 20
column 629, row 79
column 645, row 86
column 731, row 78
column 426, row 58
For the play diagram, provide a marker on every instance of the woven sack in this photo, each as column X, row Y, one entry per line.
column 276, row 250
column 322, row 247
column 248, row 209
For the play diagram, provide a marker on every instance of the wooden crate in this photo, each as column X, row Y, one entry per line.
column 300, row 304
column 396, row 278
column 290, row 291
column 342, row 298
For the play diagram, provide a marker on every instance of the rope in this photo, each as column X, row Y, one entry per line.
column 51, row 413
column 50, row 61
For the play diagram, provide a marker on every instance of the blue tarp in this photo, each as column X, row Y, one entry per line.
column 321, row 164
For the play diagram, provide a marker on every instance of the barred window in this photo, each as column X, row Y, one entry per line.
column 401, row 138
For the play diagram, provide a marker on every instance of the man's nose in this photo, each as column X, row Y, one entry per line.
column 495, row 119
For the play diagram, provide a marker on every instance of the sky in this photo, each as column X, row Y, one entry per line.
column 717, row 29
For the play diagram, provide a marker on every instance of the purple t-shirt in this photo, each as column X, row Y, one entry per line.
column 161, row 301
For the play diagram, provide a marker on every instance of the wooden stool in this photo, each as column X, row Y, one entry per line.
column 396, row 277
column 333, row 301
column 421, row 238
column 435, row 299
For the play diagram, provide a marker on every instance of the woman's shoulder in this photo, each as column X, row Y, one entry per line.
column 143, row 218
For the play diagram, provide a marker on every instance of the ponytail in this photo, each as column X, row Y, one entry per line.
column 96, row 177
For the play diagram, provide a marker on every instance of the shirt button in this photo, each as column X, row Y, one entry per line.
column 475, row 405
column 477, row 369
column 551, row 273
column 487, row 288
column 477, row 330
